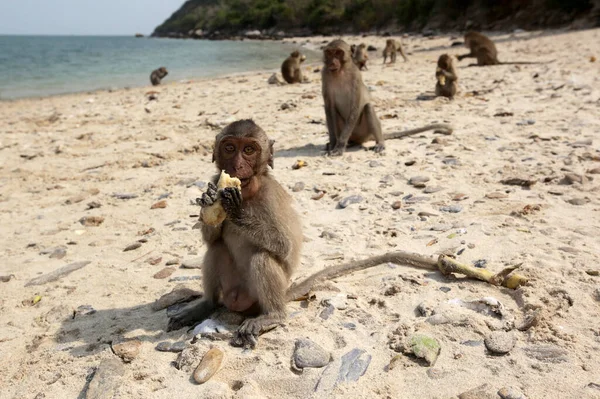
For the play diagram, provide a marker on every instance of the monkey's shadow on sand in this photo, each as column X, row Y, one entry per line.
column 313, row 150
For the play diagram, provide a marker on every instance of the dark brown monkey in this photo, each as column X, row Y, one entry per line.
column 290, row 68
column 350, row 115
column 360, row 56
column 482, row 48
column 252, row 254
column 157, row 75
column 447, row 80
column 390, row 50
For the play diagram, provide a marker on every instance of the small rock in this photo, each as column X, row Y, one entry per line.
column 397, row 205
column 445, row 289
column 484, row 391
column 107, row 379
column 195, row 263
column 353, row 199
column 496, row 195
column 436, row 374
column 177, row 295
column 155, row 261
column 172, row 262
column 374, row 164
column 318, row 195
column 84, row 310
column 515, row 181
column 6, row 279
column 124, row 196
column 309, row 354
column 133, row 246
column 500, row 342
column 189, row 358
column 526, row 122
column 451, row 208
column 511, row 393
column 174, row 347
column 208, row 366
column 547, row 353
column 418, row 181
column 330, row 235
column 299, row 186
column 597, row 294
column 58, row 253
column 126, row 349
column 328, row 311
column 58, row 273
column 434, row 189
column 595, row 171
column 425, row 347
column 164, row 273
column 578, row 201
column 340, row 302
column 354, row 364
column 425, row 309
column 472, row 343
column 91, row 220
column 480, row 263
column 274, row 80
column 287, row 105
column 93, row 205
column 159, row 205
column 572, row 178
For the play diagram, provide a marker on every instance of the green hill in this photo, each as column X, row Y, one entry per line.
column 226, row 18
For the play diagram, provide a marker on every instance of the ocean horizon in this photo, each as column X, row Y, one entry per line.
column 40, row 66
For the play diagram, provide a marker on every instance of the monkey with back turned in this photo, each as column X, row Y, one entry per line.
column 390, row 50
column 484, row 50
column 157, row 75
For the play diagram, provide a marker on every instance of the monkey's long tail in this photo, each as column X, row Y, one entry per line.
column 445, row 128
column 399, row 257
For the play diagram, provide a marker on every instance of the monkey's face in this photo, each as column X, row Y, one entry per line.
column 163, row 72
column 334, row 59
column 240, row 157
column 444, row 62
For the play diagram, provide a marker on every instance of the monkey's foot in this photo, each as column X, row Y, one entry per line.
column 190, row 314
column 336, row 152
column 378, row 148
column 247, row 334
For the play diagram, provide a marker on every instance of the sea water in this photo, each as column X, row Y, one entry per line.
column 32, row 66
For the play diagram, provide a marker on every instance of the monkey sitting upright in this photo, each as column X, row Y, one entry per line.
column 360, row 56
column 447, row 80
column 349, row 111
column 157, row 75
column 251, row 255
column 391, row 47
column 290, row 68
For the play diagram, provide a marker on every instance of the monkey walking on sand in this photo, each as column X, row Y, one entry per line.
column 360, row 56
column 484, row 49
column 290, row 68
column 157, row 75
column 390, row 50
column 446, row 79
column 349, row 112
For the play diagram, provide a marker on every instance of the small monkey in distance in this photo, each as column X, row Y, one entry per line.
column 484, row 49
column 290, row 68
column 447, row 80
column 349, row 112
column 390, row 50
column 157, row 75
column 360, row 56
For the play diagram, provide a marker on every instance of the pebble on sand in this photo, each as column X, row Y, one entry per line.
column 425, row 347
column 126, row 349
column 309, row 354
column 159, row 205
column 107, row 379
column 164, row 273
column 500, row 342
column 208, row 366
column 91, row 220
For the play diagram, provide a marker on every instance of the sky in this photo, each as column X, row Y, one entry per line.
column 84, row 17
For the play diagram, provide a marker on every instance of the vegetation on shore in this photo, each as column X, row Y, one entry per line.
column 206, row 18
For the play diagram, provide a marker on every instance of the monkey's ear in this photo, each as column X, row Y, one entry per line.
column 270, row 162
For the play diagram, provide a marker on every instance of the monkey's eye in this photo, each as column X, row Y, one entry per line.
column 229, row 148
column 249, row 150
column 339, row 53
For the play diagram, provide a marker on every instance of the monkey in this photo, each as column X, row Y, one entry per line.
column 157, row 75
column 447, row 80
column 391, row 47
column 349, row 111
column 484, row 49
column 290, row 68
column 252, row 254
column 360, row 56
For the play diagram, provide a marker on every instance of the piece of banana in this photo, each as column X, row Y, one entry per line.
column 215, row 214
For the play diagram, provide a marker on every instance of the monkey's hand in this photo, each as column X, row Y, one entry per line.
column 209, row 197
column 247, row 334
column 231, row 200
column 378, row 148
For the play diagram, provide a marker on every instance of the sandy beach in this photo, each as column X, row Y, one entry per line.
column 82, row 177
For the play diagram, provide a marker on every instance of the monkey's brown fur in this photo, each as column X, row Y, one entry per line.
column 157, row 75
column 360, row 56
column 390, row 50
column 350, row 115
column 484, row 50
column 251, row 256
column 290, row 68
column 446, row 78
